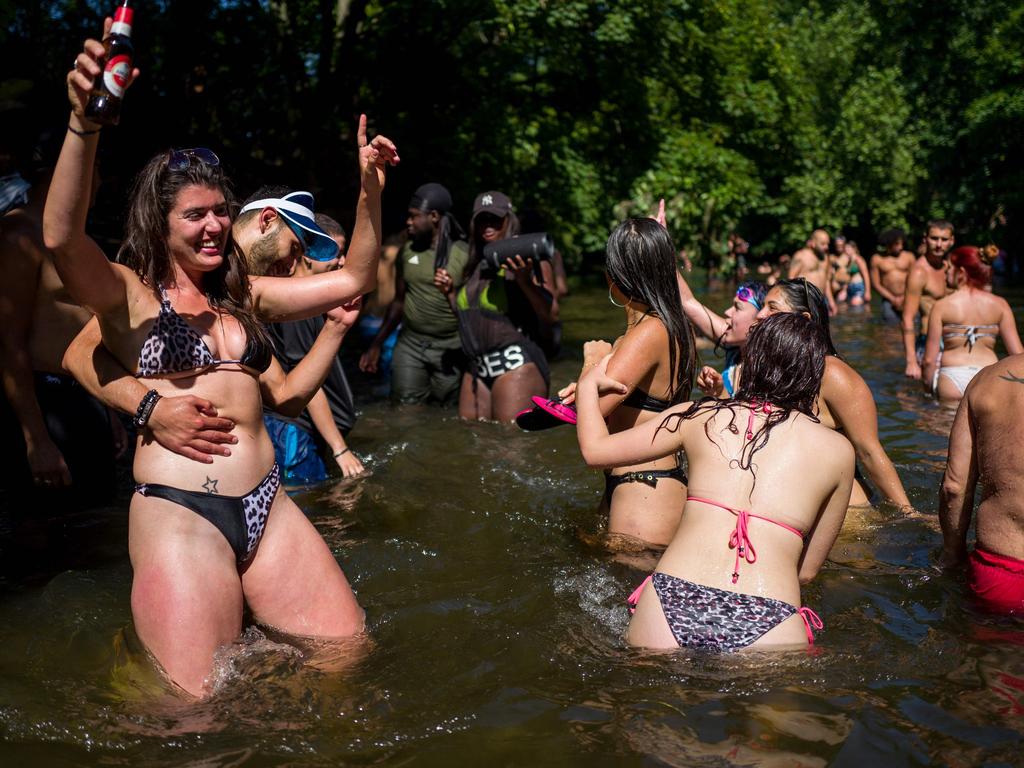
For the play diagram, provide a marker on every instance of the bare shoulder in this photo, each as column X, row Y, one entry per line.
column 828, row 445
column 918, row 272
column 1010, row 370
column 1003, row 304
column 647, row 336
column 841, row 379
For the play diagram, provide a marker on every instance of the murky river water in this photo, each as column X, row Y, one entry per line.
column 496, row 634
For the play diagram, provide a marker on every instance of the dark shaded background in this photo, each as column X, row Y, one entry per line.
column 764, row 115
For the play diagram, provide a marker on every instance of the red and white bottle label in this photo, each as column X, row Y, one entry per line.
column 116, row 74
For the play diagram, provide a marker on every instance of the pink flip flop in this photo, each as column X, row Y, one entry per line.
column 546, row 413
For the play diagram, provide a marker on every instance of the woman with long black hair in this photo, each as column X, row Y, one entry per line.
column 656, row 360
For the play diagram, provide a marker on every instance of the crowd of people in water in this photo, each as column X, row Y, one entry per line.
column 215, row 337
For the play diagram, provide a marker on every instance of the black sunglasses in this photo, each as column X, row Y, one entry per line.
column 807, row 292
column 181, row 159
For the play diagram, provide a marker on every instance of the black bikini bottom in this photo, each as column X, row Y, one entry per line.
column 241, row 519
column 646, row 476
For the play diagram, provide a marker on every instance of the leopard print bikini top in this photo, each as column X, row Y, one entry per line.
column 172, row 346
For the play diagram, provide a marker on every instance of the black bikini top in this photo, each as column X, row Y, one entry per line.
column 172, row 346
column 644, row 402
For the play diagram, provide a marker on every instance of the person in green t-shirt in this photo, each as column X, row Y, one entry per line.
column 428, row 361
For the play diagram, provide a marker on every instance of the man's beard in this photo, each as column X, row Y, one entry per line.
column 264, row 257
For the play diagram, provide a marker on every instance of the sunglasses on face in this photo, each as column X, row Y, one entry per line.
column 181, row 159
column 489, row 220
column 744, row 293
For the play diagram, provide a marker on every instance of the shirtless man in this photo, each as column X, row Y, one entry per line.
column 64, row 441
column 889, row 270
column 926, row 284
column 984, row 443
column 812, row 262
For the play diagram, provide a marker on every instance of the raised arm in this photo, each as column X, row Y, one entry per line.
column 91, row 279
column 707, row 322
column 290, row 394
column 911, row 304
column 297, row 298
column 826, row 528
column 851, row 404
column 644, row 442
column 186, row 425
column 956, row 497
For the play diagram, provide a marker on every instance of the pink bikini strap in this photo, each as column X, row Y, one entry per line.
column 634, row 597
column 755, row 406
column 740, row 540
column 811, row 619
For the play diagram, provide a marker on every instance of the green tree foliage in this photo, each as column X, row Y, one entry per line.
column 768, row 116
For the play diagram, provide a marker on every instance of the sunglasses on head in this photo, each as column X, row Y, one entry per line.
column 807, row 292
column 745, row 293
column 181, row 159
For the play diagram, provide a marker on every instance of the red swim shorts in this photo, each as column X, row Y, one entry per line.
column 997, row 581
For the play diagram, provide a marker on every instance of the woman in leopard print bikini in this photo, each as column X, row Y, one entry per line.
column 206, row 538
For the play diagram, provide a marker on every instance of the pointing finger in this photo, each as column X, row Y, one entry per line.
column 361, row 132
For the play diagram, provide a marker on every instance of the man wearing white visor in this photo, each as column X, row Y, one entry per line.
column 276, row 227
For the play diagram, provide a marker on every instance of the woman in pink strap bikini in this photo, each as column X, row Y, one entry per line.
column 741, row 452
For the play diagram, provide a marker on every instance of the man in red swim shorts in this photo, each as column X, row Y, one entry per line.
column 986, row 442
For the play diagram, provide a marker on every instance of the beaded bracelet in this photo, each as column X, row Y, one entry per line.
column 145, row 409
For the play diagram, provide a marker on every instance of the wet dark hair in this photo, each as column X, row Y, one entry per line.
column 641, row 262
column 783, row 367
column 804, row 296
column 144, row 249
column 890, row 236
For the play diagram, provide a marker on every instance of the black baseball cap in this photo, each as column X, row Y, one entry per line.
column 492, row 202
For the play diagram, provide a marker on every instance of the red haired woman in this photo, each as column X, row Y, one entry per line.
column 963, row 326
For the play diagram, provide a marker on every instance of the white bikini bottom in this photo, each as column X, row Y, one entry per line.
column 960, row 375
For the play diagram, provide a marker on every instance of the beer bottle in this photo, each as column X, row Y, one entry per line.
column 104, row 105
